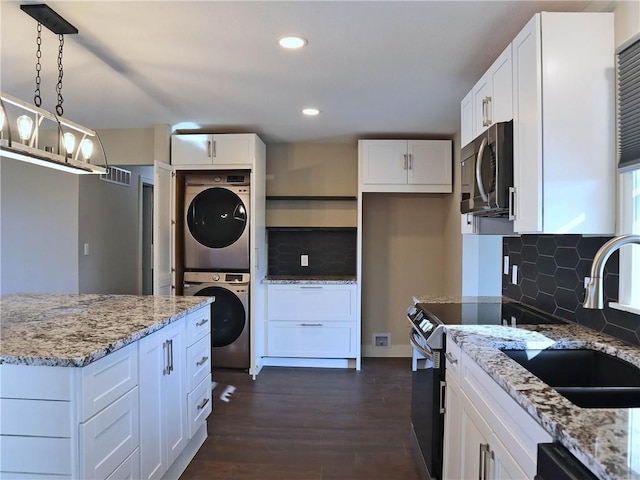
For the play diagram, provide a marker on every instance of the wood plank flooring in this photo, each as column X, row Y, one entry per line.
column 310, row 424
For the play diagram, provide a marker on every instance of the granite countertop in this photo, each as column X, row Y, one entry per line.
column 607, row 441
column 75, row 330
column 292, row 279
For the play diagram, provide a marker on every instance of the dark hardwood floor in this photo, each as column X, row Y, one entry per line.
column 310, row 424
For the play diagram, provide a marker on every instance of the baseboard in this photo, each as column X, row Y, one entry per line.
column 390, row 351
column 181, row 463
column 308, row 362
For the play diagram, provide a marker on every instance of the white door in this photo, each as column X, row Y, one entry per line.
column 466, row 120
column 429, row 162
column 385, row 162
column 174, row 393
column 233, row 148
column 191, row 149
column 501, row 104
column 163, row 216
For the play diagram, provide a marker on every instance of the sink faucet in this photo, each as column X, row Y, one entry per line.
column 593, row 296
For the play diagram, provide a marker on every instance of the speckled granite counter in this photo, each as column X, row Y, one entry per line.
column 607, row 441
column 75, row 330
column 288, row 279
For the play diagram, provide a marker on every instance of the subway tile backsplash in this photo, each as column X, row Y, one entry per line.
column 551, row 272
column 330, row 251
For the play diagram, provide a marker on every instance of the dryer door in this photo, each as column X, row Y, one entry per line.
column 228, row 316
column 217, row 217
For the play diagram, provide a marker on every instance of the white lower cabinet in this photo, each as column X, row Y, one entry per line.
column 312, row 321
column 128, row 415
column 163, row 399
column 487, row 434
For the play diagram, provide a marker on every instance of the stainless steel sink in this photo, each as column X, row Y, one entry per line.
column 587, row 378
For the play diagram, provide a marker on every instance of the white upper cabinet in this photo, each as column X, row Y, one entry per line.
column 218, row 150
column 563, row 106
column 419, row 166
column 490, row 100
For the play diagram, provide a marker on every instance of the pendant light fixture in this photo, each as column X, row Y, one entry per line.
column 54, row 144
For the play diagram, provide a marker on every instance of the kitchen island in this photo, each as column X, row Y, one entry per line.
column 102, row 386
column 605, row 440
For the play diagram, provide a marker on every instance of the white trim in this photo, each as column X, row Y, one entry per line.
column 629, row 284
column 624, row 307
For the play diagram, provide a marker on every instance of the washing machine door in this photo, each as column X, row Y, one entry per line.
column 217, row 217
column 228, row 316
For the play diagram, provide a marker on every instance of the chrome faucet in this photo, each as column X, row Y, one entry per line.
column 593, row 296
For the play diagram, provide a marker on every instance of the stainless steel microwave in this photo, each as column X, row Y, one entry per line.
column 487, row 172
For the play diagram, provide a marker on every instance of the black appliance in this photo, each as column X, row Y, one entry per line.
column 556, row 463
column 428, row 379
column 487, row 172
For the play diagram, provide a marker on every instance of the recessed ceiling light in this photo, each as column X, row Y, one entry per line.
column 292, row 42
column 311, row 112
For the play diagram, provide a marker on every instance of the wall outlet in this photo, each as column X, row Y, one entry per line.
column 381, row 339
column 505, row 267
column 304, row 260
column 86, row 249
column 514, row 275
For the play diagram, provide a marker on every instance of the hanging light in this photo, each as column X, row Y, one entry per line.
column 30, row 117
column 86, row 147
column 25, row 124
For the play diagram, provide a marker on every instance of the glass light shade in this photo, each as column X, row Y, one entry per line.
column 86, row 147
column 69, row 142
column 25, row 124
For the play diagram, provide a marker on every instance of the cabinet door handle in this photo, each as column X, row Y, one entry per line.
column 310, row 324
column 404, row 165
column 315, row 287
column 487, row 464
column 170, row 356
column 209, row 150
column 165, row 349
column 489, row 120
column 482, row 462
column 202, row 361
column 451, row 358
column 203, row 404
column 512, row 203
column 469, row 220
column 410, row 161
column 202, row 322
column 443, row 386
column 214, row 149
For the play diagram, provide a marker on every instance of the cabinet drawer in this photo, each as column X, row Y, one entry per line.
column 109, row 438
column 36, row 382
column 311, row 340
column 38, row 418
column 38, row 455
column 198, row 362
column 199, row 405
column 328, row 303
column 107, row 379
column 129, row 469
column 198, row 324
column 452, row 358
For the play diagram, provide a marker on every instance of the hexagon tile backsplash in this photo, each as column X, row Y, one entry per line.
column 551, row 272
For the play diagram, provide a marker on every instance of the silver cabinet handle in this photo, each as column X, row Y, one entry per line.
column 451, row 358
column 203, row 404
column 209, row 150
column 202, row 361
column 481, row 462
column 405, row 164
column 489, row 120
column 310, row 324
column 443, row 386
column 170, row 356
column 315, row 287
column 410, row 161
column 469, row 220
column 479, row 159
column 484, row 112
column 165, row 349
column 512, row 203
column 202, row 322
column 214, row 149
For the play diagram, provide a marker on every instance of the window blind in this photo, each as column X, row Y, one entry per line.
column 629, row 107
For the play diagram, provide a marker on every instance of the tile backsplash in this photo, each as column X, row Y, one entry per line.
column 330, row 251
column 551, row 272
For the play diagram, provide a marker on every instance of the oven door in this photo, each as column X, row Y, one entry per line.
column 427, row 414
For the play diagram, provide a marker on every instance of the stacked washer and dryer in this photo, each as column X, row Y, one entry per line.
column 217, row 259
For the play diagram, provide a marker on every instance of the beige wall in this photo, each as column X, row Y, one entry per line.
column 136, row 146
column 404, row 245
column 312, row 170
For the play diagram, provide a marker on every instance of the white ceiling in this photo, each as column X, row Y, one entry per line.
column 389, row 68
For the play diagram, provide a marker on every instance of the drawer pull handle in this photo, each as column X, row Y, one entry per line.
column 451, row 358
column 202, row 322
column 203, row 404
column 202, row 361
column 316, row 287
column 310, row 324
